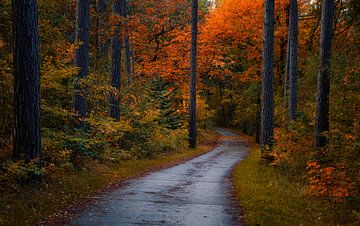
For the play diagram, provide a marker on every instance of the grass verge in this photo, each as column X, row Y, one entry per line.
column 31, row 205
column 268, row 198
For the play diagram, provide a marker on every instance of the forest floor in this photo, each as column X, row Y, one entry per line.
column 268, row 196
column 196, row 192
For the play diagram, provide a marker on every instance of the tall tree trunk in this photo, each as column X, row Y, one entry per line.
column 282, row 61
column 127, row 45
column 323, row 82
column 133, row 59
column 127, row 58
column 267, row 92
column 116, row 45
column 286, row 82
column 82, row 53
column 101, row 49
column 287, row 69
column 293, row 38
column 258, row 123
column 27, row 140
column 193, row 51
column 222, row 105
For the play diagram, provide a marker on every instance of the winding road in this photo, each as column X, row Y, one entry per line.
column 193, row 193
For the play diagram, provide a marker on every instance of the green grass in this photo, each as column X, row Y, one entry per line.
column 31, row 205
column 267, row 197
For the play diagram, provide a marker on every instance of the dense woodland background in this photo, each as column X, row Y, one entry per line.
column 144, row 112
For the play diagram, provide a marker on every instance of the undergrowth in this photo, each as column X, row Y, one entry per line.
column 269, row 197
column 28, row 205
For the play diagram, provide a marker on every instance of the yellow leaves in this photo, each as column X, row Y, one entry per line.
column 109, row 127
column 52, row 77
column 150, row 116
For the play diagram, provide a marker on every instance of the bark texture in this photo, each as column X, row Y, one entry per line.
column 286, row 81
column 267, row 92
column 193, row 54
column 116, row 44
column 82, row 53
column 287, row 69
column 27, row 140
column 323, row 82
column 133, row 59
column 102, row 42
column 293, row 73
column 127, row 44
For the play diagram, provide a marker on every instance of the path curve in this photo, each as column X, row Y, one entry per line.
column 193, row 193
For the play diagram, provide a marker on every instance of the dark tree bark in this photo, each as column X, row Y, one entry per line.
column 133, row 59
column 127, row 58
column 101, row 5
column 244, row 126
column 27, row 140
column 127, row 45
column 101, row 44
column 323, row 82
column 286, row 82
column 222, row 105
column 193, row 52
column 258, row 124
column 293, row 41
column 282, row 60
column 267, row 92
column 116, row 45
column 287, row 70
column 82, row 53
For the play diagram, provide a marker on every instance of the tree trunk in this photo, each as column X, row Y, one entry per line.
column 127, row 58
column 127, row 45
column 244, row 126
column 282, row 61
column 323, row 82
column 293, row 39
column 27, row 140
column 82, row 53
column 114, row 109
column 193, row 51
column 267, row 92
column 222, row 105
column 286, row 82
column 101, row 44
column 287, row 71
column 133, row 59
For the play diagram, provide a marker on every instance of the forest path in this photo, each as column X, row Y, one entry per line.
column 196, row 192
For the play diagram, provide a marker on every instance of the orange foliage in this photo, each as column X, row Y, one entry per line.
column 328, row 181
column 2, row 44
column 235, row 31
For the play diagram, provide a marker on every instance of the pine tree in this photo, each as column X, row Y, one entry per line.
column 116, row 45
column 267, row 93
column 192, row 109
column 293, row 42
column 27, row 140
column 323, row 82
column 82, row 53
column 165, row 93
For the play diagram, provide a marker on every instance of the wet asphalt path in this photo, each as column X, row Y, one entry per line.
column 192, row 193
